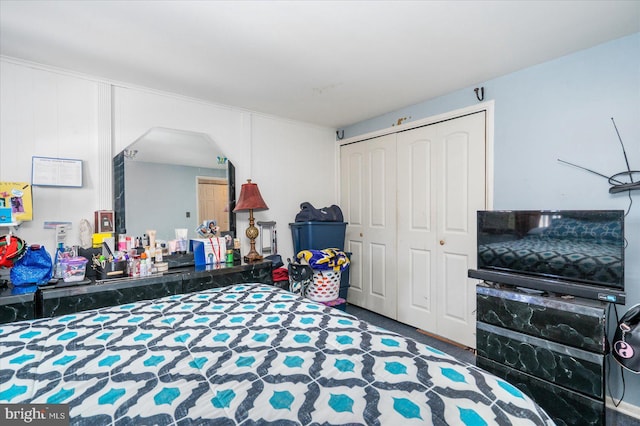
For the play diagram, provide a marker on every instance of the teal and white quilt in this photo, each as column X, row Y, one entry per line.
column 245, row 355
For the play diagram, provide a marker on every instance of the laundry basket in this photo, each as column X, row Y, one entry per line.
column 325, row 286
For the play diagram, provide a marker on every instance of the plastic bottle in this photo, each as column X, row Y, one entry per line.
column 151, row 239
column 158, row 253
column 131, row 266
column 143, row 264
column 136, row 266
column 57, row 270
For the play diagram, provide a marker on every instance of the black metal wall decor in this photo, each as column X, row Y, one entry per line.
column 481, row 95
column 623, row 181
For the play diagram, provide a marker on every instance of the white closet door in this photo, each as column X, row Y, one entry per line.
column 368, row 200
column 441, row 185
column 461, row 193
column 418, row 153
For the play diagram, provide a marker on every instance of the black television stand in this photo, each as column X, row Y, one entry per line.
column 550, row 347
column 606, row 294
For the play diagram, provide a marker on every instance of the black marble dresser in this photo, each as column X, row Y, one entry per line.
column 551, row 348
column 49, row 301
column 17, row 305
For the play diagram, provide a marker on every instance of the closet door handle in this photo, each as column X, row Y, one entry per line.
column 441, row 242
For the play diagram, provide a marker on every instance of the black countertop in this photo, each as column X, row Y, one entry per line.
column 28, row 302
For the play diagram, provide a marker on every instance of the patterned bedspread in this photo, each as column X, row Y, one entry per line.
column 245, row 354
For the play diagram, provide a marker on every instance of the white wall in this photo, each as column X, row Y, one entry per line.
column 290, row 162
column 138, row 110
column 53, row 113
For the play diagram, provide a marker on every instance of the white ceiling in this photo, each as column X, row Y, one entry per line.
column 333, row 63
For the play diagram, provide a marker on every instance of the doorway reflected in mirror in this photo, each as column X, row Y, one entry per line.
column 160, row 187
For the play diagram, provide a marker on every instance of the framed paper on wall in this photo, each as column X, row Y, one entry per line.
column 47, row 171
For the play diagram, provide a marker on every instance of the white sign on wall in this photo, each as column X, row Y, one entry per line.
column 47, row 171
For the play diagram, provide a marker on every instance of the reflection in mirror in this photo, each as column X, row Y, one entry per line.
column 169, row 179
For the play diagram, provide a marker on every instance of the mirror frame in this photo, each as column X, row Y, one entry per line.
column 119, row 207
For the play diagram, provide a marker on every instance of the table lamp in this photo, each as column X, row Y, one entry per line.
column 250, row 199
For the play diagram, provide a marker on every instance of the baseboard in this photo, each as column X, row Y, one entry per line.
column 444, row 339
column 624, row 408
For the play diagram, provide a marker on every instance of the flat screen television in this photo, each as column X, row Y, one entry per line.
column 565, row 252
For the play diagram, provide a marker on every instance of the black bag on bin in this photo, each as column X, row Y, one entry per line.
column 309, row 213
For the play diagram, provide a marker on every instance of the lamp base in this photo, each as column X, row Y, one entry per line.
column 252, row 256
column 252, row 234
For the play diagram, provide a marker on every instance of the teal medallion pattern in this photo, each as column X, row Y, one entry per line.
column 244, row 355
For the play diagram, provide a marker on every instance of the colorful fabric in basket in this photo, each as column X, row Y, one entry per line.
column 335, row 302
column 329, row 259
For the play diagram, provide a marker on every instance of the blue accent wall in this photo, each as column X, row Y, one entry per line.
column 561, row 109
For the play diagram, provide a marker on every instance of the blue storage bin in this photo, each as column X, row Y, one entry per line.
column 317, row 235
column 344, row 281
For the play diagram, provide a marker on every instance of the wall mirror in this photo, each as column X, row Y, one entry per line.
column 169, row 179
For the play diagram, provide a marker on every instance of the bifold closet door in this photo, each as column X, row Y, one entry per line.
column 368, row 201
column 441, row 185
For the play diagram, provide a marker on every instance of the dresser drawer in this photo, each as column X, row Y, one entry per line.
column 572, row 368
column 564, row 406
column 573, row 322
column 203, row 279
column 16, row 307
column 69, row 300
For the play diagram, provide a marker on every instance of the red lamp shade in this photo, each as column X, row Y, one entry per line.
column 250, row 198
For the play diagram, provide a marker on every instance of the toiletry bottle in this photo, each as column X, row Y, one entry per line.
column 135, row 269
column 151, row 239
column 57, row 271
column 158, row 253
column 130, row 266
column 143, row 264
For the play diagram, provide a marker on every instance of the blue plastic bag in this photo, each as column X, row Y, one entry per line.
column 35, row 267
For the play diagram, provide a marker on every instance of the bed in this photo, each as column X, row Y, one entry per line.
column 244, row 354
